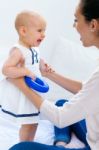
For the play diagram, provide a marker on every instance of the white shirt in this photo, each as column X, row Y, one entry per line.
column 84, row 104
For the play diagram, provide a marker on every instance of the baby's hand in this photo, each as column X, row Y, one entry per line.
column 45, row 68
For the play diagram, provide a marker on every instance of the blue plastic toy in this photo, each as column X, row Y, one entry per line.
column 37, row 84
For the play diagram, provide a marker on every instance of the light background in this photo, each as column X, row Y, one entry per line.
column 61, row 47
column 59, row 15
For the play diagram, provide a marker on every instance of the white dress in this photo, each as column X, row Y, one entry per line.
column 14, row 105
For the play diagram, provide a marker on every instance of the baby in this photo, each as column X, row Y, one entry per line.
column 24, row 60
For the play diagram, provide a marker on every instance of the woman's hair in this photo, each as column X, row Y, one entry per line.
column 90, row 9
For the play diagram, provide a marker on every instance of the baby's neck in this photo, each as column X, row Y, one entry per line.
column 24, row 44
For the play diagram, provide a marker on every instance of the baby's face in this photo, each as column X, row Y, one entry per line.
column 35, row 32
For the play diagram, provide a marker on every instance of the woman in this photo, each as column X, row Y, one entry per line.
column 85, row 102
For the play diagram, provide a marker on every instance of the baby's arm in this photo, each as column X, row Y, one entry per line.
column 14, row 65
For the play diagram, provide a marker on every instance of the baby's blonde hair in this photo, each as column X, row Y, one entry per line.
column 24, row 18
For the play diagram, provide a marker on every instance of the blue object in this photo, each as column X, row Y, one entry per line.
column 37, row 84
column 38, row 146
column 64, row 134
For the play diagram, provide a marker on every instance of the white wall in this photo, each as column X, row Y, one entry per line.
column 58, row 13
column 60, row 53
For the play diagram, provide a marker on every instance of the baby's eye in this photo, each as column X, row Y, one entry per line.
column 75, row 20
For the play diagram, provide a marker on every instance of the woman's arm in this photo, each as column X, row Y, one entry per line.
column 61, row 117
column 67, row 83
column 36, row 99
column 76, row 109
column 72, row 86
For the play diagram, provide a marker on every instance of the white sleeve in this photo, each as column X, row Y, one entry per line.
column 80, row 106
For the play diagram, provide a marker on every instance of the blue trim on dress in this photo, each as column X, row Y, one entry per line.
column 34, row 55
column 20, row 115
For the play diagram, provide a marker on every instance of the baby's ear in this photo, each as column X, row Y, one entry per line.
column 22, row 30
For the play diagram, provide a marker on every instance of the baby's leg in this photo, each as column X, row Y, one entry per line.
column 27, row 132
